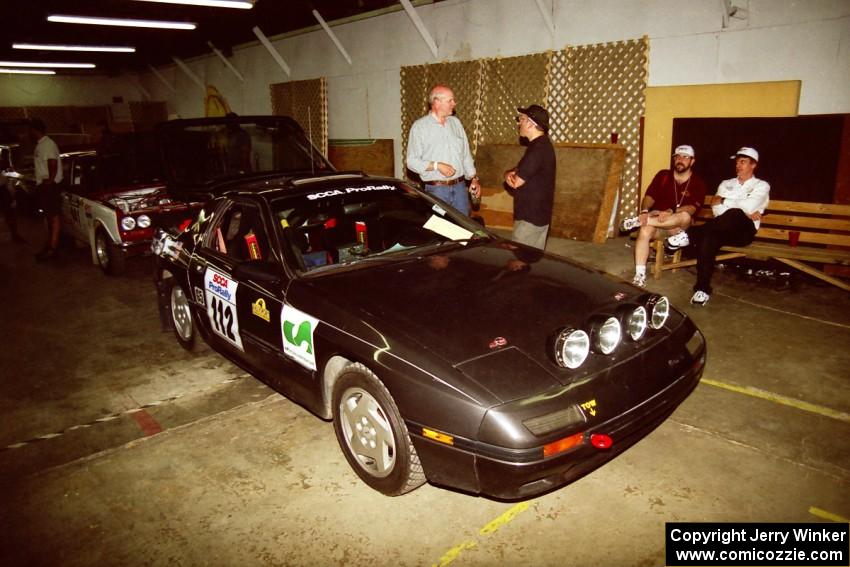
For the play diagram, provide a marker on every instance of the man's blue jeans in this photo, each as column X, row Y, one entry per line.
column 455, row 195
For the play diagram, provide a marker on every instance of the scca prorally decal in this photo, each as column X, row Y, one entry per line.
column 298, row 331
column 348, row 190
column 220, row 292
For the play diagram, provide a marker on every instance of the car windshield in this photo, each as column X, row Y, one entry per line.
column 361, row 221
column 129, row 159
column 202, row 154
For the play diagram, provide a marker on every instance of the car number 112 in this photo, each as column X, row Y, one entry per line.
column 220, row 292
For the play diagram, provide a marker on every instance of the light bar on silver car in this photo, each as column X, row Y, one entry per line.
column 128, row 223
column 658, row 307
column 143, row 221
column 571, row 348
column 606, row 335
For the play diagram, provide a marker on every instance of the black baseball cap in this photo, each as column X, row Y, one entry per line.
column 538, row 115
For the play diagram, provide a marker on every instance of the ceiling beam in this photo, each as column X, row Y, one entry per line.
column 161, row 78
column 185, row 68
column 332, row 35
column 420, row 26
column 226, row 62
column 272, row 51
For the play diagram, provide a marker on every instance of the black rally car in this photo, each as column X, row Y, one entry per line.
column 440, row 351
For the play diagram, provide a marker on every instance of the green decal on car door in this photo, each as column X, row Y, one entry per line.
column 298, row 329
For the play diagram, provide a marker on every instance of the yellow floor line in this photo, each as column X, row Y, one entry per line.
column 815, row 511
column 489, row 528
column 779, row 399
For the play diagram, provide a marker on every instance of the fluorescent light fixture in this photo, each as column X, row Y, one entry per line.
column 32, row 64
column 52, row 47
column 158, row 24
column 241, row 4
column 27, row 71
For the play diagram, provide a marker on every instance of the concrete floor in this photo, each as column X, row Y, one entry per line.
column 118, row 447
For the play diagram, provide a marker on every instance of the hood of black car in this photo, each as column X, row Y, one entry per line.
column 473, row 301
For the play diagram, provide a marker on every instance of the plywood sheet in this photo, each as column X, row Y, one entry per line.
column 372, row 156
column 586, row 183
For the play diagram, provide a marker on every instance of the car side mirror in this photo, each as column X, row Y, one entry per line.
column 257, row 270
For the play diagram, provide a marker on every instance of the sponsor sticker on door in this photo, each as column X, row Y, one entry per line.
column 298, row 331
column 220, row 293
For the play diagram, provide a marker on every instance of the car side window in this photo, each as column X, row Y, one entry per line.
column 240, row 235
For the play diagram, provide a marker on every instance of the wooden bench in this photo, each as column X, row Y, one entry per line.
column 824, row 239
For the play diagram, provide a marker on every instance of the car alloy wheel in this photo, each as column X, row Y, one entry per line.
column 109, row 257
column 181, row 316
column 372, row 434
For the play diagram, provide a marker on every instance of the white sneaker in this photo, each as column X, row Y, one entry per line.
column 639, row 280
column 678, row 240
column 700, row 298
column 630, row 223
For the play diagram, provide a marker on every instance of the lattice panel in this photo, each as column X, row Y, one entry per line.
column 599, row 89
column 590, row 92
column 414, row 101
column 508, row 84
column 307, row 103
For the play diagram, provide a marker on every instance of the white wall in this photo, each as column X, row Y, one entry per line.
column 808, row 40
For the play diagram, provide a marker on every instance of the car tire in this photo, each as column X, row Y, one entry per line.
column 109, row 256
column 180, row 315
column 372, row 434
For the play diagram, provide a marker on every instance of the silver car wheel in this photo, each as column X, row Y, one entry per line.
column 367, row 431
column 101, row 248
column 180, row 313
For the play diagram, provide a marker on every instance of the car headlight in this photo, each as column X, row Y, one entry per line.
column 659, row 309
column 571, row 348
column 143, row 221
column 606, row 336
column 636, row 323
column 128, row 223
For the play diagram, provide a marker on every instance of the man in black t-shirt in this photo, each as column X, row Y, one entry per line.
column 533, row 179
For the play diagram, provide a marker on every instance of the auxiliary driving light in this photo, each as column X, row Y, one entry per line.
column 606, row 336
column 636, row 323
column 659, row 309
column 571, row 348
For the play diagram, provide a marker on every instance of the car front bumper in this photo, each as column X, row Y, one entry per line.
column 476, row 469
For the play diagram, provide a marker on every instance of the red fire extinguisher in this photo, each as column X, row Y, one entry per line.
column 362, row 236
column 253, row 246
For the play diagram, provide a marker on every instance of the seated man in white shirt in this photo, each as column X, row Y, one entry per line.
column 737, row 207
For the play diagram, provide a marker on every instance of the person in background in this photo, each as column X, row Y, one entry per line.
column 533, row 179
column 738, row 206
column 438, row 150
column 48, row 176
column 671, row 202
column 8, row 204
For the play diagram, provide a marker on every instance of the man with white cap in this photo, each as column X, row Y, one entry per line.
column 671, row 201
column 738, row 206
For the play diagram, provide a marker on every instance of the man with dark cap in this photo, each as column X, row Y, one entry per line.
column 48, row 176
column 737, row 207
column 533, row 179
